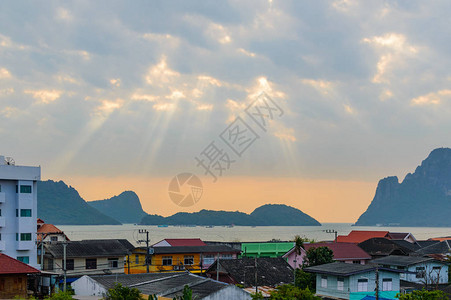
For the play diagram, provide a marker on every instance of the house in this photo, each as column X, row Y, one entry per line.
column 424, row 270
column 402, row 236
column 18, row 210
column 165, row 285
column 179, row 242
column 178, row 258
column 13, row 277
column 345, row 252
column 380, row 247
column 358, row 236
column 339, row 280
column 265, row 249
column 442, row 249
column 271, row 271
column 49, row 233
column 87, row 256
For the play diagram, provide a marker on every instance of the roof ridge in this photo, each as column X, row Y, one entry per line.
column 158, row 279
column 181, row 287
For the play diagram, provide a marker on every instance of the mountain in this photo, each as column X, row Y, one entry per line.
column 125, row 207
column 62, row 205
column 266, row 215
column 421, row 199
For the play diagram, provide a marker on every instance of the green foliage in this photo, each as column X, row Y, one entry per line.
column 120, row 292
column 304, row 280
column 152, row 297
column 290, row 292
column 318, row 256
column 187, row 294
column 423, row 295
column 21, row 298
column 257, row 296
column 60, row 295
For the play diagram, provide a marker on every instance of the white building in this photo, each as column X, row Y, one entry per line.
column 18, row 211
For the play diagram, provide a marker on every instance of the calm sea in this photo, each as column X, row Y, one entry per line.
column 235, row 234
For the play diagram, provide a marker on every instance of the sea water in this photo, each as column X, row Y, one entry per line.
column 235, row 233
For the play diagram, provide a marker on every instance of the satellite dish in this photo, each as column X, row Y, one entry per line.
column 10, row 161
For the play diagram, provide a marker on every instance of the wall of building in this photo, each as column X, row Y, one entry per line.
column 229, row 292
column 12, row 226
column 80, row 266
column 12, row 286
column 85, row 286
column 430, row 273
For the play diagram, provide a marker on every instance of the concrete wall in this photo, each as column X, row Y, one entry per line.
column 431, row 275
column 85, row 286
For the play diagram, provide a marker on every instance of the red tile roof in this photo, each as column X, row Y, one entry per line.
column 358, row 236
column 48, row 228
column 9, row 265
column 185, row 242
column 342, row 251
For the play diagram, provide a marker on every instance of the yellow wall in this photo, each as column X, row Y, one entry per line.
column 138, row 266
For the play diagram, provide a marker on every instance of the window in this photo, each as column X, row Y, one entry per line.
column 25, row 212
column 69, row 264
column 17, row 188
column 362, row 285
column 167, row 260
column 136, row 259
column 356, row 262
column 226, row 256
column 25, row 189
column 340, row 283
column 24, row 259
column 91, row 263
column 420, row 272
column 387, row 284
column 324, row 281
column 25, row 236
column 54, row 238
column 17, row 213
column 50, row 264
column 189, row 260
column 17, row 236
column 208, row 259
column 113, row 262
column 437, row 269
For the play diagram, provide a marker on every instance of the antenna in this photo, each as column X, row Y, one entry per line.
column 10, row 161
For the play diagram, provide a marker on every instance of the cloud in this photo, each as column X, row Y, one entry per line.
column 161, row 74
column 45, row 96
column 4, row 73
column 323, row 86
column 434, row 98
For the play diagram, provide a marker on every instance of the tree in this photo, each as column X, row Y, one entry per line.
column 60, row 295
column 305, row 280
column 318, row 256
column 291, row 292
column 423, row 295
column 119, row 292
column 187, row 294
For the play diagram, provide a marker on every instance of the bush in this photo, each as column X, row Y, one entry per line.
column 120, row 292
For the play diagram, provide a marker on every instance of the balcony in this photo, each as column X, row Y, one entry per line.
column 2, row 197
column 2, row 221
column 25, row 245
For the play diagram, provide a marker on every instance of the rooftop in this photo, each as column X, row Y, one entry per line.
column 443, row 247
column 195, row 249
column 342, row 251
column 9, row 265
column 344, row 269
column 91, row 248
column 383, row 247
column 358, row 236
column 184, row 242
column 401, row 260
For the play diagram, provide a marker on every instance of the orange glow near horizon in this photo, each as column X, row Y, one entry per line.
column 327, row 201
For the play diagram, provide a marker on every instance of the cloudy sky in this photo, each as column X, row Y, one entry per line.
column 118, row 95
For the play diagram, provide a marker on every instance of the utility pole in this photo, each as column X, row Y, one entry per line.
column 147, row 247
column 377, row 283
column 256, row 286
column 64, row 263
column 217, row 268
column 332, row 231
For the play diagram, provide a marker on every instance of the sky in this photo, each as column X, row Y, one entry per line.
column 117, row 95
